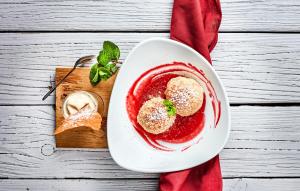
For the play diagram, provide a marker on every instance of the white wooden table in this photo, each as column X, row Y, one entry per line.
column 257, row 57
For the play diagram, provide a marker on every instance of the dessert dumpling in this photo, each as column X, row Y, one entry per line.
column 186, row 94
column 153, row 116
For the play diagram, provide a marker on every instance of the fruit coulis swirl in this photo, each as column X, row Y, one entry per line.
column 153, row 83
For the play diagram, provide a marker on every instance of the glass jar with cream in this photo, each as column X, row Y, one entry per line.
column 82, row 100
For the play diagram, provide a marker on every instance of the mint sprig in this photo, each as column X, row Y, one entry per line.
column 106, row 63
column 170, row 107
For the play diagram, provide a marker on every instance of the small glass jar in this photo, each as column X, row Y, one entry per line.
column 95, row 99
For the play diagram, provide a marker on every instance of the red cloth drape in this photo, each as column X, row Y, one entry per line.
column 195, row 23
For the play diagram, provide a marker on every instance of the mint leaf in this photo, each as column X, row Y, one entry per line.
column 114, row 69
column 104, row 73
column 167, row 103
column 94, row 75
column 111, row 67
column 110, row 52
column 106, row 66
column 103, row 58
column 111, row 49
column 170, row 107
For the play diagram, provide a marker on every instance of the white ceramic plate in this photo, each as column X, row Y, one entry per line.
column 127, row 147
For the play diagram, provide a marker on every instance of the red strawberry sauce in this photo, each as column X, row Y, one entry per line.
column 153, row 83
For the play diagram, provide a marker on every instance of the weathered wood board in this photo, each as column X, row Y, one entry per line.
column 264, row 142
column 255, row 68
column 79, row 80
column 257, row 58
column 146, row 15
column 234, row 184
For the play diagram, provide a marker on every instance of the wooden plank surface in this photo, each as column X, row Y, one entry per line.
column 146, row 15
column 264, row 142
column 236, row 184
column 255, row 68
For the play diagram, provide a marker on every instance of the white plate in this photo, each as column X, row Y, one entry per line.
column 126, row 146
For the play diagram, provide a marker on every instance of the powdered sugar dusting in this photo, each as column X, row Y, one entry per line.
column 82, row 114
column 182, row 96
column 186, row 94
column 158, row 114
column 153, row 116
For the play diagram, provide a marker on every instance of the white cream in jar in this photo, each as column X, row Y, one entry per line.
column 77, row 101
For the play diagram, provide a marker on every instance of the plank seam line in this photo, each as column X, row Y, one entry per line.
column 83, row 178
column 135, row 31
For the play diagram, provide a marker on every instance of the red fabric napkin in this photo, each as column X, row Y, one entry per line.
column 195, row 23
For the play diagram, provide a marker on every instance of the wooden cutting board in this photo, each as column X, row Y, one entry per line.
column 79, row 80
